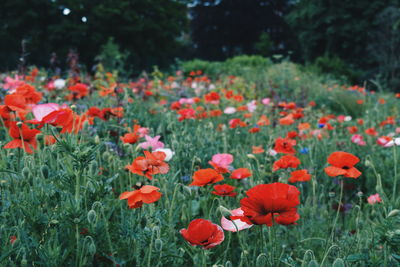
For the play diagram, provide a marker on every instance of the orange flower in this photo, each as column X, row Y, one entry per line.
column 23, row 137
column 285, row 145
column 263, row 121
column 342, row 164
column 241, row 173
column 287, row 120
column 150, row 164
column 49, row 140
column 257, row 149
column 299, row 176
column 360, row 101
column 206, row 176
column 285, row 162
column 146, row 194
column 303, row 126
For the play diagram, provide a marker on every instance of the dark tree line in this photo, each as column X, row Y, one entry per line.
column 361, row 34
column 149, row 30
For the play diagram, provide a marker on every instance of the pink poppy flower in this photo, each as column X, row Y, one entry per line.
column 221, row 162
column 143, row 131
column 152, row 142
column 252, row 106
column 373, row 199
column 358, row 139
column 11, row 84
column 42, row 110
column 235, row 225
column 266, row 101
column 229, row 110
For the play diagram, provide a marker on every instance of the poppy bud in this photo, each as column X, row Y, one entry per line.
column 45, row 171
column 251, row 156
column 158, row 244
column 262, row 260
column 91, row 216
column 25, row 172
column 393, row 213
column 156, row 230
column 97, row 139
column 224, row 211
column 19, row 124
column 106, row 156
column 187, row 190
column 92, row 248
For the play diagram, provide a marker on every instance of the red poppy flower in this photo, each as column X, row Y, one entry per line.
column 371, row 131
column 187, row 113
column 206, row 176
column 342, row 164
column 23, row 137
column 131, row 138
column 79, row 90
column 28, row 92
column 254, row 130
column 234, row 123
column 212, row 97
column 285, row 162
column 224, row 190
column 240, row 173
column 285, row 145
column 150, row 164
column 67, row 119
column 299, row 176
column 269, row 203
column 203, row 233
column 15, row 102
column 146, row 194
column 352, row 129
column 292, row 134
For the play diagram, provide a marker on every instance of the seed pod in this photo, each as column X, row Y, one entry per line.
column 158, row 244
column 44, row 169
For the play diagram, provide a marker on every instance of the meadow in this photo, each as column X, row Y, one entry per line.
column 198, row 168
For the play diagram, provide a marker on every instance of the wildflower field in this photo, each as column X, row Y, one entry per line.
column 190, row 169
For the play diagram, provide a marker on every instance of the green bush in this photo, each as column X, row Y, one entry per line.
column 336, row 68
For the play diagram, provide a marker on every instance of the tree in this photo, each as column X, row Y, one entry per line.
column 149, row 30
column 336, row 28
column 224, row 28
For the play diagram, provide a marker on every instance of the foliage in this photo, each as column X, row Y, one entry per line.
column 139, row 27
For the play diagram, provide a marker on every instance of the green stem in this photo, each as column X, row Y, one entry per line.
column 395, row 174
column 337, row 214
